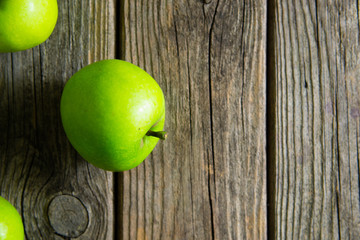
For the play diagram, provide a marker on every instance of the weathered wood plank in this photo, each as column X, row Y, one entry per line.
column 207, row 180
column 40, row 173
column 317, row 119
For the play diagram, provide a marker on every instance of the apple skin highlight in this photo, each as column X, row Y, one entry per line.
column 11, row 225
column 26, row 23
column 107, row 109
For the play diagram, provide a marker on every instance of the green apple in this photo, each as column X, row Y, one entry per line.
column 11, row 226
column 113, row 114
column 26, row 23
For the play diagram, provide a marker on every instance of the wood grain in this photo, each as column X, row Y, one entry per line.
column 317, row 119
column 37, row 163
column 207, row 180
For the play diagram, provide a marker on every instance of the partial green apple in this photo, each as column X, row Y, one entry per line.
column 11, row 226
column 26, row 23
column 113, row 113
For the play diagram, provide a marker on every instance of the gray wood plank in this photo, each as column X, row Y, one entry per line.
column 317, row 119
column 56, row 192
column 207, row 180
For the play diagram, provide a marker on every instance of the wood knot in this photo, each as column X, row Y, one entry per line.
column 68, row 216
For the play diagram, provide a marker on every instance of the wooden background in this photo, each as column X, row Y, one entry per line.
column 263, row 115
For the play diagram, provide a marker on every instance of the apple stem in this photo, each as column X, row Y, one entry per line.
column 160, row 134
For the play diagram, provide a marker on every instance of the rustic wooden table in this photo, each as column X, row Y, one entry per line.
column 263, row 115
